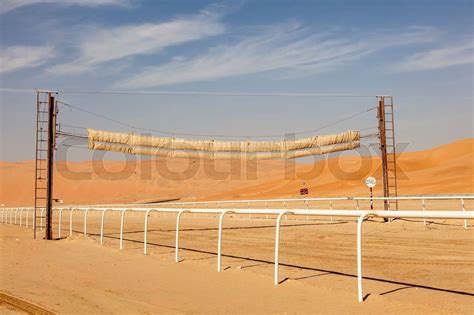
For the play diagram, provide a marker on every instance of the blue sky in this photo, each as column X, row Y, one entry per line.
column 422, row 52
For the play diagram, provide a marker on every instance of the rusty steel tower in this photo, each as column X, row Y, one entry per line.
column 386, row 127
column 46, row 112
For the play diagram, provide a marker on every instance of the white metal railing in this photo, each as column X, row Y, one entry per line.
column 282, row 200
column 361, row 215
column 239, row 204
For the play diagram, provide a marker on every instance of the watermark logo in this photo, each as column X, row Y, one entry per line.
column 357, row 164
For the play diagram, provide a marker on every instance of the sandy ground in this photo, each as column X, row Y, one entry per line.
column 408, row 268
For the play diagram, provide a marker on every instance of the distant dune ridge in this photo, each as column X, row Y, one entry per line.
column 447, row 169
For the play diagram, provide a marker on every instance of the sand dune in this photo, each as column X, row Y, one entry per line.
column 447, row 169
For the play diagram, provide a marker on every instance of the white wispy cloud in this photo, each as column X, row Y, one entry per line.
column 287, row 47
column 461, row 54
column 104, row 45
column 10, row 5
column 20, row 57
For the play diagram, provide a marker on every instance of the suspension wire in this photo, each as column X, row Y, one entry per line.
column 70, row 134
column 75, row 135
column 368, row 128
column 370, row 135
column 98, row 115
column 74, row 146
column 208, row 135
column 338, row 121
column 72, row 126
column 191, row 93
column 210, row 93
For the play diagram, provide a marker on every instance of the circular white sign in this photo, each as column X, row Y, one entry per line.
column 370, row 182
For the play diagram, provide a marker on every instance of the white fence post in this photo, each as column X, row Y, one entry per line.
column 145, row 234
column 277, row 243
column 330, row 207
column 266, row 208
column 121, row 227
column 424, row 209
column 60, row 220
column 85, row 221
column 70, row 220
column 176, row 244
column 219, row 240
column 359, row 254
column 102, row 226
column 307, row 208
column 466, row 226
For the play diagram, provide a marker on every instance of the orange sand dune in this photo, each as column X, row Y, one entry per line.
column 447, row 169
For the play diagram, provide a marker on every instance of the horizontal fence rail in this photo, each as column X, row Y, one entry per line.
column 361, row 215
column 281, row 200
column 286, row 202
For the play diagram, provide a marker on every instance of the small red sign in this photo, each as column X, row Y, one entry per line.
column 304, row 191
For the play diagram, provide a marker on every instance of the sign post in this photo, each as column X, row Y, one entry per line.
column 304, row 190
column 371, row 182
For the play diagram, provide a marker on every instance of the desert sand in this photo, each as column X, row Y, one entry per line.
column 447, row 169
column 408, row 267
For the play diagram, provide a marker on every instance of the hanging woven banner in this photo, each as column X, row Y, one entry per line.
column 215, row 149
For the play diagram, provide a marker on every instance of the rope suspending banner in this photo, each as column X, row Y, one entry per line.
column 169, row 133
column 171, row 147
column 212, row 149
